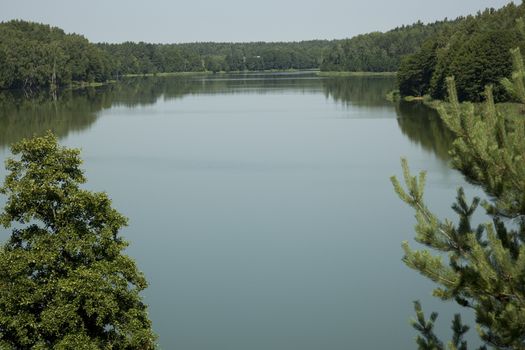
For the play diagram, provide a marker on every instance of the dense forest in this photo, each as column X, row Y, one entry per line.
column 475, row 50
column 380, row 52
column 140, row 58
column 34, row 55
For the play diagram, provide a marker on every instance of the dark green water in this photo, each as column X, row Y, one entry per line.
column 260, row 205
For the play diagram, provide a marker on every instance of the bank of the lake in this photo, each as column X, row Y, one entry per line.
column 196, row 74
column 168, row 74
column 333, row 74
column 87, row 84
column 508, row 109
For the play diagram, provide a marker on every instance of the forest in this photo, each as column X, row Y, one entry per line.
column 475, row 50
column 34, row 55
column 380, row 52
column 141, row 58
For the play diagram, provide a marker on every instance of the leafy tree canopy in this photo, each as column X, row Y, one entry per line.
column 64, row 280
column 475, row 50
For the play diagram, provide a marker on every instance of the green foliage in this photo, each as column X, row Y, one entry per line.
column 489, row 150
column 378, row 52
column 64, row 280
column 34, row 55
column 427, row 340
column 516, row 86
column 214, row 64
column 474, row 49
column 482, row 267
column 416, row 70
column 141, row 58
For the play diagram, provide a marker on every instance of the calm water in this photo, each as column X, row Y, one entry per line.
column 260, row 206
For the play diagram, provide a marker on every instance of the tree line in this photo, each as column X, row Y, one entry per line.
column 379, row 52
column 34, row 55
column 140, row 58
column 474, row 49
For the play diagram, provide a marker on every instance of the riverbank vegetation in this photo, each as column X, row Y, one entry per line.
column 335, row 74
column 143, row 58
column 34, row 56
column 479, row 267
column 475, row 50
column 379, row 52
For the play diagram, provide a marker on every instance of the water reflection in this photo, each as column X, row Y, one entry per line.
column 360, row 91
column 260, row 223
column 75, row 111
column 423, row 126
column 23, row 117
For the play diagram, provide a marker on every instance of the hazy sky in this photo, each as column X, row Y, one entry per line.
column 233, row 20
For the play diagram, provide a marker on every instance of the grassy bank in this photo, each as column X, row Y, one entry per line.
column 508, row 109
column 183, row 74
column 167, row 74
column 356, row 74
column 85, row 84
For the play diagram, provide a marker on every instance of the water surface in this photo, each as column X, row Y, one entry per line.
column 260, row 206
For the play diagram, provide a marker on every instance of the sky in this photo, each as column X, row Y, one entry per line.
column 175, row 21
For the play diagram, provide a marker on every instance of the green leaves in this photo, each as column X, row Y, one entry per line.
column 428, row 339
column 516, row 86
column 479, row 267
column 487, row 275
column 35, row 55
column 489, row 150
column 473, row 49
column 415, row 185
column 64, row 280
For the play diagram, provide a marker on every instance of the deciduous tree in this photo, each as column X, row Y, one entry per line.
column 65, row 282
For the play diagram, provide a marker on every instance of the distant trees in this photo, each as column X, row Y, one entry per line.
column 379, row 52
column 64, row 280
column 214, row 64
column 140, row 58
column 34, row 55
column 415, row 71
column 475, row 50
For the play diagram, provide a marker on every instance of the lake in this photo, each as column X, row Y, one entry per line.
column 260, row 206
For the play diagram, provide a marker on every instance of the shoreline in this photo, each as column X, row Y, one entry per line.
column 76, row 85
column 326, row 74
column 174, row 74
column 355, row 74
column 508, row 109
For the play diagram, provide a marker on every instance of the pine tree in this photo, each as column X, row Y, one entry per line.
column 482, row 267
column 64, row 280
